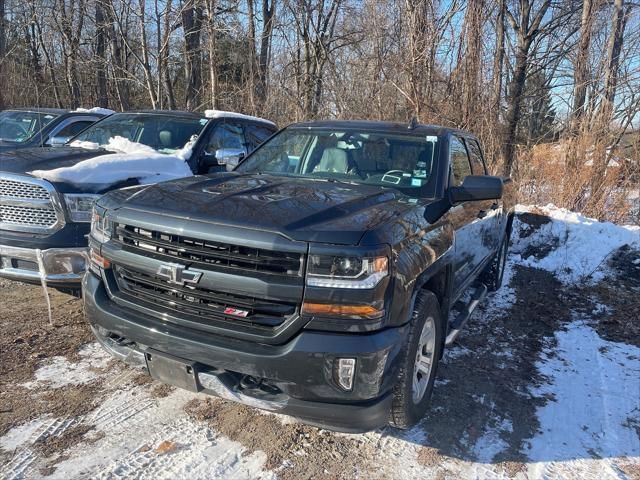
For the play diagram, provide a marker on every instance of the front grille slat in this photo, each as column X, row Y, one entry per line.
column 27, row 205
column 203, row 303
column 208, row 254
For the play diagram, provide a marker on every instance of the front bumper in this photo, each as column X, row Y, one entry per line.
column 296, row 378
column 58, row 267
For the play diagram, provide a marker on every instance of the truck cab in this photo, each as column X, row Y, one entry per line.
column 46, row 193
column 44, row 127
column 317, row 279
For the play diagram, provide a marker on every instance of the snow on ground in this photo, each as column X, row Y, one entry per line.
column 134, row 434
column 595, row 389
column 132, row 160
column 57, row 372
column 587, row 428
column 578, row 245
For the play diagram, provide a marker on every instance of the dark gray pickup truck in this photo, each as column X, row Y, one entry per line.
column 322, row 278
column 46, row 193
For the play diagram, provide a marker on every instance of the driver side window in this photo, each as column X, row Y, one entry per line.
column 226, row 135
column 460, row 167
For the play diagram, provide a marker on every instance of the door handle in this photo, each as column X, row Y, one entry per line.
column 482, row 213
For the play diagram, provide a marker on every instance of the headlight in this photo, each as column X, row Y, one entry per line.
column 100, row 226
column 80, row 206
column 346, row 272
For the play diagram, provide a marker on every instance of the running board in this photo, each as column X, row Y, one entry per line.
column 456, row 326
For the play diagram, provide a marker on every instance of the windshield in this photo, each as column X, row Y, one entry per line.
column 18, row 127
column 390, row 160
column 164, row 133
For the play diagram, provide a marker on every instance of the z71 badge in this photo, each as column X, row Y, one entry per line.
column 236, row 312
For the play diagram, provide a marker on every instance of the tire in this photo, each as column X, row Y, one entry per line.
column 494, row 273
column 410, row 402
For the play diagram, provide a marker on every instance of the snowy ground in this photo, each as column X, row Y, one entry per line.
column 545, row 383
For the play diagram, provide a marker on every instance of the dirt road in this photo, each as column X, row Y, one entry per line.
column 545, row 383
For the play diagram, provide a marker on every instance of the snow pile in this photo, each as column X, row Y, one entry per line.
column 132, row 160
column 83, row 144
column 223, row 114
column 98, row 110
column 569, row 244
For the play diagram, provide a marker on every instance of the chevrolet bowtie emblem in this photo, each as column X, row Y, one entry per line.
column 178, row 274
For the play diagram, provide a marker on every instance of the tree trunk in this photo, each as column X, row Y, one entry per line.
column 117, row 56
column 472, row 63
column 164, row 58
column 146, row 64
column 2, row 52
column 581, row 67
column 498, row 62
column 211, row 50
column 101, row 41
column 514, row 93
column 268, row 20
column 526, row 30
column 192, row 26
column 605, row 112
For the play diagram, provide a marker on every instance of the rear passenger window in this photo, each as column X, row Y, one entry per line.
column 476, row 157
column 459, row 162
column 256, row 135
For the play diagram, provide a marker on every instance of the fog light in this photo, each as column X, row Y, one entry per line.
column 64, row 262
column 346, row 372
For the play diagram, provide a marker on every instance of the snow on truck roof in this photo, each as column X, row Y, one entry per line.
column 96, row 110
column 225, row 114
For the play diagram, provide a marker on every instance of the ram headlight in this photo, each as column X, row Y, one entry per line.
column 346, row 271
column 80, row 206
column 101, row 226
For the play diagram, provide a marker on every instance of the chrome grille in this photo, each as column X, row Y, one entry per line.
column 39, row 217
column 14, row 189
column 28, row 204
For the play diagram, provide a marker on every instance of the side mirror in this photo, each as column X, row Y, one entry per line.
column 57, row 141
column 230, row 157
column 477, row 187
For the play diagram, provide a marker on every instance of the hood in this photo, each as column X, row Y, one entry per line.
column 301, row 209
column 45, row 158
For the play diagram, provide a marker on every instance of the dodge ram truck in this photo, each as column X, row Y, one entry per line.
column 321, row 278
column 46, row 194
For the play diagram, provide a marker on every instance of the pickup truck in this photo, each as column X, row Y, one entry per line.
column 46, row 194
column 322, row 278
column 43, row 127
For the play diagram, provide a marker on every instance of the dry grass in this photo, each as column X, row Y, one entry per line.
column 546, row 174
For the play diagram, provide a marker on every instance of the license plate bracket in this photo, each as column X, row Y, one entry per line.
column 172, row 370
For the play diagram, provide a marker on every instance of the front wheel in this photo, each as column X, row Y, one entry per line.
column 412, row 392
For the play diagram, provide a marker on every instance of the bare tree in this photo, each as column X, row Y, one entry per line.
column 526, row 25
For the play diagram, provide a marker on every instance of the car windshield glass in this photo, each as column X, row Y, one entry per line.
column 164, row 133
column 19, row 127
column 392, row 160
